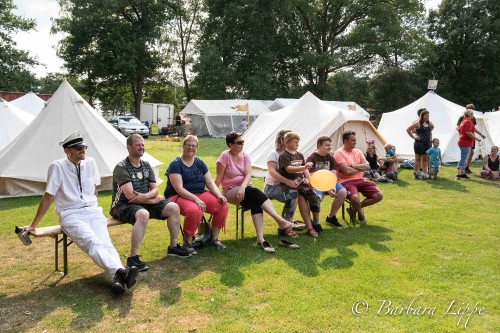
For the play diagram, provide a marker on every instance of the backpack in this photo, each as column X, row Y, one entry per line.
column 408, row 164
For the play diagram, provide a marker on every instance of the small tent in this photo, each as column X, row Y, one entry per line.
column 25, row 161
column 12, row 121
column 443, row 114
column 310, row 118
column 280, row 103
column 216, row 118
column 30, row 103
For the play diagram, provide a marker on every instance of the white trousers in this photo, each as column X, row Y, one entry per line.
column 88, row 228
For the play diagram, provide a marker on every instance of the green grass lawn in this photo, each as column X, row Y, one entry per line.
column 426, row 262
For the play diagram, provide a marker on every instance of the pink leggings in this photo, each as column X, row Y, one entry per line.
column 193, row 214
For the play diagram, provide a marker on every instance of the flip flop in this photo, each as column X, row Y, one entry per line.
column 287, row 244
column 266, row 246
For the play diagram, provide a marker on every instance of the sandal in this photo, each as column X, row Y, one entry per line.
column 288, row 231
column 287, row 244
column 311, row 232
column 266, row 246
column 217, row 243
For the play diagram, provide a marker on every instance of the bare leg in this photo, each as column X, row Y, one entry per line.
column 355, row 204
column 215, row 233
column 258, row 222
column 267, row 206
column 425, row 163
column 418, row 163
column 338, row 201
column 138, row 231
column 171, row 211
column 371, row 200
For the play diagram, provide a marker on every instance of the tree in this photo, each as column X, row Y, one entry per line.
column 14, row 63
column 113, row 42
column 467, row 51
column 246, row 50
column 346, row 34
column 345, row 86
column 181, row 35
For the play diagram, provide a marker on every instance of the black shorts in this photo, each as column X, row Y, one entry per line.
column 421, row 148
column 126, row 212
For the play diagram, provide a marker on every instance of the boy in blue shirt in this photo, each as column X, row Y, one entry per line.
column 435, row 158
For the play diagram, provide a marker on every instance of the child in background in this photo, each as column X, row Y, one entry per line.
column 293, row 166
column 387, row 162
column 435, row 158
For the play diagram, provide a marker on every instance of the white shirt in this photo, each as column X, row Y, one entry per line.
column 273, row 156
column 63, row 184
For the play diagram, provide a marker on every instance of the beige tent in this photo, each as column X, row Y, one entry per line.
column 25, row 161
column 310, row 118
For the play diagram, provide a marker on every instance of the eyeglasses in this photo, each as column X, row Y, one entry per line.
column 240, row 142
column 79, row 148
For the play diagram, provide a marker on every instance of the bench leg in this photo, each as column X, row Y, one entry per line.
column 65, row 253
column 56, row 253
column 65, row 245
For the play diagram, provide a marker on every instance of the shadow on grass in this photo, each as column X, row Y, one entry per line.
column 84, row 301
column 84, row 297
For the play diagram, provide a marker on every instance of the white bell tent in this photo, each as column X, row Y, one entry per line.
column 310, row 118
column 444, row 115
column 30, row 103
column 12, row 121
column 25, row 161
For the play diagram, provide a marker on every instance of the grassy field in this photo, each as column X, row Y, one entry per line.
column 426, row 262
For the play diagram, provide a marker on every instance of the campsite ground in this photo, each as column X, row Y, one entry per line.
column 426, row 262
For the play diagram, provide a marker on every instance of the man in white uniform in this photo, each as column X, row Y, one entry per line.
column 72, row 183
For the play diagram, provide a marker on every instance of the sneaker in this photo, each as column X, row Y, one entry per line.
column 467, row 170
column 189, row 248
column 333, row 221
column 217, row 243
column 318, row 228
column 464, row 176
column 178, row 251
column 458, row 177
column 135, row 261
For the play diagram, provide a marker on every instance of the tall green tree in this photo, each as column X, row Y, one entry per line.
column 113, row 42
column 467, row 34
column 246, row 50
column 14, row 63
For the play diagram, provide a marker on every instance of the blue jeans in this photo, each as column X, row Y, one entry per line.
column 464, row 153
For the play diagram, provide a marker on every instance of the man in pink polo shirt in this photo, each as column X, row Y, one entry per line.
column 351, row 163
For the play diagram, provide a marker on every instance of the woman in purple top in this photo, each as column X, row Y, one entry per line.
column 234, row 172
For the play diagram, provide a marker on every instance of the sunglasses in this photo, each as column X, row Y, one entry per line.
column 240, row 142
column 79, row 148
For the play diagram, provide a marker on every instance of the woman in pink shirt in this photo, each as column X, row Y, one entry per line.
column 234, row 172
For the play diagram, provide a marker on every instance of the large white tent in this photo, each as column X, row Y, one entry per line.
column 216, row 118
column 443, row 114
column 310, row 118
column 25, row 161
column 280, row 103
column 493, row 123
column 12, row 121
column 30, row 103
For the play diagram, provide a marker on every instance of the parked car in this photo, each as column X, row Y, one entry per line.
column 127, row 125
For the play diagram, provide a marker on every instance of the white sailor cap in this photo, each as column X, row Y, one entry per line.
column 74, row 140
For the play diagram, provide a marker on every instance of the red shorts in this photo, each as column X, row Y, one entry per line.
column 363, row 185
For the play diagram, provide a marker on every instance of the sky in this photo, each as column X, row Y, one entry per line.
column 40, row 43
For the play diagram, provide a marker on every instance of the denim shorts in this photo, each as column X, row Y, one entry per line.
column 321, row 194
column 464, row 153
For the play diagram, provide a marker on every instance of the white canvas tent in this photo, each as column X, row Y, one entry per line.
column 12, row 121
column 493, row 123
column 217, row 118
column 30, row 103
column 25, row 161
column 310, row 118
column 443, row 114
column 280, row 103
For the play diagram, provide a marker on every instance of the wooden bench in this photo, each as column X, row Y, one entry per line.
column 59, row 236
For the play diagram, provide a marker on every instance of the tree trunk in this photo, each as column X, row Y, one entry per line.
column 138, row 95
column 322, row 78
